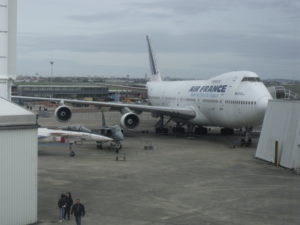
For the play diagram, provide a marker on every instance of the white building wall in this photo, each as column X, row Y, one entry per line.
column 3, row 37
column 12, row 38
column 281, row 123
column 18, row 176
column 8, row 30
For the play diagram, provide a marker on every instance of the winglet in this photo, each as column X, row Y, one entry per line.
column 154, row 70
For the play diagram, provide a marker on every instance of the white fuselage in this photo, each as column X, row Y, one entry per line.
column 232, row 100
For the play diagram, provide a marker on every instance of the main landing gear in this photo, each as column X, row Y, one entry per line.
column 161, row 130
column 227, row 131
column 178, row 129
column 200, row 130
column 160, row 126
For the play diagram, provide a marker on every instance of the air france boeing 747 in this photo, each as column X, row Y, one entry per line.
column 232, row 100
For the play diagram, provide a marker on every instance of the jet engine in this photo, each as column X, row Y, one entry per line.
column 63, row 113
column 130, row 120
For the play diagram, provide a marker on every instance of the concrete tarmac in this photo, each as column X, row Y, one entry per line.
column 182, row 181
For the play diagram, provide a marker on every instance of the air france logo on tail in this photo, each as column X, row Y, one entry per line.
column 208, row 90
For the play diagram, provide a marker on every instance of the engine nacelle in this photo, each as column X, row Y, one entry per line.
column 63, row 113
column 130, row 120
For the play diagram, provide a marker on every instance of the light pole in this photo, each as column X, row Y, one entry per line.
column 51, row 74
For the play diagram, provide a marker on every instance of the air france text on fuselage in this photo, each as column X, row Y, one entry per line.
column 207, row 90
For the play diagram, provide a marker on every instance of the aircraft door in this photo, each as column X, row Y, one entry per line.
column 221, row 105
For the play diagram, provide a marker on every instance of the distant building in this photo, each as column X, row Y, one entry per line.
column 62, row 91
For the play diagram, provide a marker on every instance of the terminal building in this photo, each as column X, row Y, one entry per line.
column 85, row 92
column 62, row 91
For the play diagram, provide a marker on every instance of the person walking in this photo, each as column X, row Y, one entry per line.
column 69, row 203
column 78, row 210
column 62, row 205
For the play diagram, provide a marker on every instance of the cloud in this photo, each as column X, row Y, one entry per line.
column 191, row 37
column 209, row 42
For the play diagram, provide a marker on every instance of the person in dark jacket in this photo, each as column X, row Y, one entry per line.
column 69, row 204
column 62, row 203
column 78, row 211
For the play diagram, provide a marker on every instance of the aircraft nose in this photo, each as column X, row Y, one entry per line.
column 119, row 136
column 262, row 104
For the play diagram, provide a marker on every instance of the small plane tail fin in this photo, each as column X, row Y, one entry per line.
column 153, row 65
column 103, row 120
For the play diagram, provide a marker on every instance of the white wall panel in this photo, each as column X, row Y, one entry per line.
column 18, row 176
column 3, row 38
column 281, row 123
column 12, row 38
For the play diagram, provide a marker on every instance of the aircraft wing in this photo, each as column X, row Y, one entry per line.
column 183, row 113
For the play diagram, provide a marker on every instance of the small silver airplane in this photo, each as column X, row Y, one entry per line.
column 111, row 131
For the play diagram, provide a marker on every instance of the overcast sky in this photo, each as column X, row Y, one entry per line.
column 191, row 38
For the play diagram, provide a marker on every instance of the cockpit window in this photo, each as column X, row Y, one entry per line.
column 251, row 79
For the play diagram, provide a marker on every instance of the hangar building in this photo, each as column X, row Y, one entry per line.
column 18, row 165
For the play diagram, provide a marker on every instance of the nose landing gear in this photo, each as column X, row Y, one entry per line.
column 72, row 153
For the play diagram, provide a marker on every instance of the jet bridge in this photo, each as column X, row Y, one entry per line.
column 280, row 92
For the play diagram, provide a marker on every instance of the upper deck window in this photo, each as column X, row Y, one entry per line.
column 251, row 79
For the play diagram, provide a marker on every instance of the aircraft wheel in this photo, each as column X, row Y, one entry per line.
column 178, row 130
column 200, row 130
column 161, row 130
column 227, row 131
